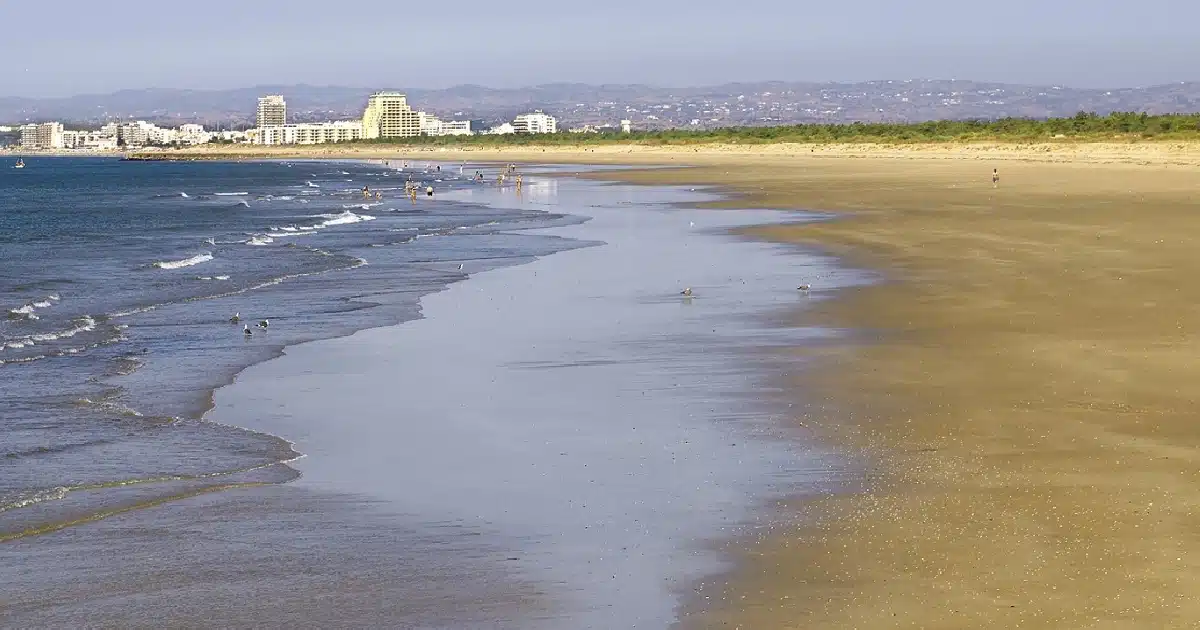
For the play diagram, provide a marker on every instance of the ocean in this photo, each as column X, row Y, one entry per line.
column 442, row 426
column 118, row 280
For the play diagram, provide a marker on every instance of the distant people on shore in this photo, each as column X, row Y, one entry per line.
column 995, row 178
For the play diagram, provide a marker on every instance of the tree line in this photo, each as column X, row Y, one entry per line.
column 1084, row 126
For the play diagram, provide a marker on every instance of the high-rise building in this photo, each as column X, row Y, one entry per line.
column 272, row 111
column 537, row 122
column 389, row 116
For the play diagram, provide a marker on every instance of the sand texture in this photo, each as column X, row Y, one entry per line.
column 1163, row 153
column 1025, row 383
column 1022, row 385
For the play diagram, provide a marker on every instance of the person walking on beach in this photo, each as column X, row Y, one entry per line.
column 995, row 178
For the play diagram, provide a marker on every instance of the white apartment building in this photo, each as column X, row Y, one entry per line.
column 309, row 133
column 89, row 140
column 42, row 136
column 192, row 134
column 272, row 111
column 502, row 130
column 134, row 134
column 388, row 116
column 537, row 122
column 434, row 126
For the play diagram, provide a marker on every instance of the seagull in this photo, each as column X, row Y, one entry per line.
column 460, row 266
column 691, row 224
column 686, row 292
column 803, row 287
column 263, row 324
column 246, row 331
column 237, row 317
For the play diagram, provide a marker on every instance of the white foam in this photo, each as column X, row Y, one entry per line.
column 231, row 194
column 25, row 500
column 260, row 240
column 284, row 198
column 187, row 262
column 312, row 185
column 344, row 218
column 183, row 194
column 82, row 325
column 244, row 204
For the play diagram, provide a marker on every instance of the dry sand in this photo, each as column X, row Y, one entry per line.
column 1028, row 398
column 1159, row 152
column 1025, row 391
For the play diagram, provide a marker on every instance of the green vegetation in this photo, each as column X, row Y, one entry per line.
column 1083, row 127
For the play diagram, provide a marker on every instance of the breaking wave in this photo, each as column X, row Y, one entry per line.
column 186, row 262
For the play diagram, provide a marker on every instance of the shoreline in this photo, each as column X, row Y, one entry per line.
column 260, row 393
column 1028, row 439
column 507, row 589
column 1024, row 389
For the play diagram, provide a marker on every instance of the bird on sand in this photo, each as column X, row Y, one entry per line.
column 803, row 287
column 686, row 292
column 246, row 331
column 264, row 323
column 237, row 317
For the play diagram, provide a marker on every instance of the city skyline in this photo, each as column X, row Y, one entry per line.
column 1071, row 42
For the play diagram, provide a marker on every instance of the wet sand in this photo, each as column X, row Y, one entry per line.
column 1025, row 381
column 575, row 412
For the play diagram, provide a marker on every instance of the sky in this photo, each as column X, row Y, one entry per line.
column 73, row 47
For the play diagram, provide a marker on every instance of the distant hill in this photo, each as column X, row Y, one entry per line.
column 762, row 103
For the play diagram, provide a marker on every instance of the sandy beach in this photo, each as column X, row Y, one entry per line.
column 1024, row 386
column 1159, row 153
column 1022, row 381
column 1018, row 386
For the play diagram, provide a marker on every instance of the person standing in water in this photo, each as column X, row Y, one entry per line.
column 995, row 178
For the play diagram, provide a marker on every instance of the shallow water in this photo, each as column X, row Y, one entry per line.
column 118, row 279
column 556, row 444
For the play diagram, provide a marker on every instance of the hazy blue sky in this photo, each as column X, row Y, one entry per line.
column 69, row 47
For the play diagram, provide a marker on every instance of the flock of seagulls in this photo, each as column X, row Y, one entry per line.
column 687, row 291
column 237, row 318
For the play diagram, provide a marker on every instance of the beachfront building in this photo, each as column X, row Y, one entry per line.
column 89, row 141
column 309, row 133
column 626, row 126
column 272, row 111
column 192, row 134
column 389, row 116
column 501, row 130
column 434, row 126
column 537, row 122
column 42, row 136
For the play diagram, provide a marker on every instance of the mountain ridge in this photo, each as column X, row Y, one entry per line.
column 738, row 103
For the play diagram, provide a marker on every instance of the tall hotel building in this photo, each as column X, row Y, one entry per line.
column 389, row 116
column 272, row 111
